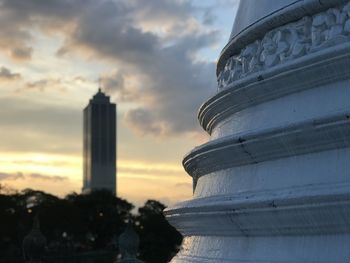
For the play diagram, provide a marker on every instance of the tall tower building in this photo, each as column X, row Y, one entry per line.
column 99, row 144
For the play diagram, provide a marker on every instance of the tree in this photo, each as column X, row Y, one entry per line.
column 159, row 241
column 84, row 222
column 100, row 215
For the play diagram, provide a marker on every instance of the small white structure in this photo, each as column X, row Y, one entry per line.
column 129, row 245
column 273, row 183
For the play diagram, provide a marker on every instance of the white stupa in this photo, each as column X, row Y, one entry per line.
column 273, row 182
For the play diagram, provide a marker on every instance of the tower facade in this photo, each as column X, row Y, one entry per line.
column 273, row 182
column 99, row 144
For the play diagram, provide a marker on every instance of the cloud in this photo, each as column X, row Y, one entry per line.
column 31, row 127
column 60, row 84
column 54, row 178
column 144, row 122
column 35, row 176
column 22, row 53
column 18, row 19
column 208, row 17
column 11, row 176
column 7, row 74
column 42, row 84
column 114, row 84
column 184, row 185
column 58, row 185
column 14, row 39
column 150, row 171
column 154, row 45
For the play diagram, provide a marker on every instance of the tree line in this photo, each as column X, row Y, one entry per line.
column 81, row 223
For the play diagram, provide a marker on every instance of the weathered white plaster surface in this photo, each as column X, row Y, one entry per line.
column 289, row 249
column 248, row 14
column 298, row 107
column 273, row 182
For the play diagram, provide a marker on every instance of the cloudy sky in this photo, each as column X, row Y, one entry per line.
column 156, row 59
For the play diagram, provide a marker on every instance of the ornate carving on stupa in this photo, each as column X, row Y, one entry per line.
column 287, row 43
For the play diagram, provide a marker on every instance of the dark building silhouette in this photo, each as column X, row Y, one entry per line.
column 100, row 144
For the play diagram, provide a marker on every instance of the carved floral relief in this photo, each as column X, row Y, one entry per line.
column 291, row 41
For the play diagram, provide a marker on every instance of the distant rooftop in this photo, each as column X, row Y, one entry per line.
column 100, row 97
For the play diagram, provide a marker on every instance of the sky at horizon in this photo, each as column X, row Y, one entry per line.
column 155, row 58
